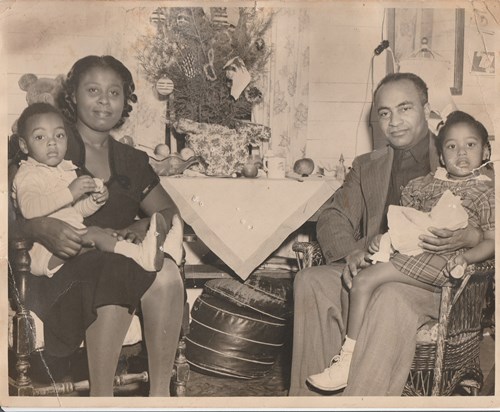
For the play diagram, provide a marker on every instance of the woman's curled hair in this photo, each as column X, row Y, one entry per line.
column 68, row 107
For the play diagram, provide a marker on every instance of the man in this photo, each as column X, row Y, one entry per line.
column 357, row 213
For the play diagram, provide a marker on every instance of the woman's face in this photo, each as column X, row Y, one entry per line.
column 99, row 99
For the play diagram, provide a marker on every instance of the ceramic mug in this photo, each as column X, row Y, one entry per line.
column 275, row 167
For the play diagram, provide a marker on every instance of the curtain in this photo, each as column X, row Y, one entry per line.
column 286, row 87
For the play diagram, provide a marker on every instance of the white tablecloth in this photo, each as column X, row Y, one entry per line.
column 244, row 220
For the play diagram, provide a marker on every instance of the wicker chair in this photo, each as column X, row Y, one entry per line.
column 24, row 339
column 452, row 360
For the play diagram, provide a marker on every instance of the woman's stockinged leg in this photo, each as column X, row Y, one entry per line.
column 104, row 340
column 365, row 284
column 162, row 309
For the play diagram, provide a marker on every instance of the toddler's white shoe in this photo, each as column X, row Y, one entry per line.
column 174, row 239
column 151, row 253
column 335, row 376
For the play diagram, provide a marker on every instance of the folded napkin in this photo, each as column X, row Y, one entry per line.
column 407, row 224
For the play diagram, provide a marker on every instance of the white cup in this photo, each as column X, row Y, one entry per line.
column 275, row 167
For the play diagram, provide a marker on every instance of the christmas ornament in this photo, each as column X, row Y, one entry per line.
column 164, row 86
column 182, row 19
column 259, row 44
column 157, row 17
column 253, row 94
column 219, row 16
column 209, row 67
column 238, row 73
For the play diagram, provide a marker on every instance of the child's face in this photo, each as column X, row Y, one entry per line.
column 463, row 150
column 45, row 139
column 99, row 99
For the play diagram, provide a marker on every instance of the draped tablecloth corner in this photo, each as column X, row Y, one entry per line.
column 243, row 221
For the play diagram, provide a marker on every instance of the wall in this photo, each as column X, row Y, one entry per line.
column 341, row 84
column 342, row 44
column 46, row 38
column 342, row 40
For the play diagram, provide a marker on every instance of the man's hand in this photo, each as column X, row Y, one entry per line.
column 445, row 240
column 59, row 237
column 354, row 261
column 375, row 244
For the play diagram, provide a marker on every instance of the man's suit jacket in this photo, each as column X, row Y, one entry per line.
column 355, row 214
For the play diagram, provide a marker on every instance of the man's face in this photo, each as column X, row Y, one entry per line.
column 402, row 116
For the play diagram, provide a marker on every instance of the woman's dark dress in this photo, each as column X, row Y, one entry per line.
column 67, row 302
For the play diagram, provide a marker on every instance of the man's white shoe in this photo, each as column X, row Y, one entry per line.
column 335, row 376
column 151, row 249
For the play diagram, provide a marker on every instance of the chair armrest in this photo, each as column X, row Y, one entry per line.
column 308, row 254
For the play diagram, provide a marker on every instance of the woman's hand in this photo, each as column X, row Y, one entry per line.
column 59, row 237
column 135, row 233
column 81, row 185
column 445, row 240
column 375, row 244
column 354, row 261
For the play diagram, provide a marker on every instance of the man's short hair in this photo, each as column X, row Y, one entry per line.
column 417, row 81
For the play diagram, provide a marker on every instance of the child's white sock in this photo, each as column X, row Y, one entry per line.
column 149, row 254
column 173, row 242
column 348, row 345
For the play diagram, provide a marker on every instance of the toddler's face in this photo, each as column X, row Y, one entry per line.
column 45, row 139
column 463, row 150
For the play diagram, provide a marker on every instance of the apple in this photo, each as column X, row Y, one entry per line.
column 304, row 167
column 187, row 153
column 250, row 170
column 127, row 140
column 162, row 150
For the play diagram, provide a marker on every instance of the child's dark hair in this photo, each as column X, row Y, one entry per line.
column 457, row 117
column 32, row 110
column 68, row 107
column 14, row 151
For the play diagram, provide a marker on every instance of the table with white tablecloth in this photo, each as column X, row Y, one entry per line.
column 243, row 220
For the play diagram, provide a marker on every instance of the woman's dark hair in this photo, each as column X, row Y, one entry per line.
column 417, row 81
column 458, row 117
column 68, row 107
column 30, row 111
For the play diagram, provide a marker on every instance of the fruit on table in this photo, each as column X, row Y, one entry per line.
column 250, row 170
column 187, row 153
column 304, row 166
column 162, row 150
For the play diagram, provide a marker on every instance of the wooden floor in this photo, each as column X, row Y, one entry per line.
column 275, row 383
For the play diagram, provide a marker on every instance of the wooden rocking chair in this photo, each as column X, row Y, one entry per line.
column 24, row 339
column 452, row 360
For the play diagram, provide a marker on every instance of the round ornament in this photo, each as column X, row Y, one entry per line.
column 260, row 43
column 164, row 86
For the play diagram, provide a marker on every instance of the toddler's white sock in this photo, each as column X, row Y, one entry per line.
column 348, row 345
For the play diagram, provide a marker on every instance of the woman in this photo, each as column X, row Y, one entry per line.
column 94, row 295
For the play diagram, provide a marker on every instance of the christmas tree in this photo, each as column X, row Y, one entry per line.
column 212, row 56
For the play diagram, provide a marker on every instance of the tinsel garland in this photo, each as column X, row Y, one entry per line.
column 191, row 46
